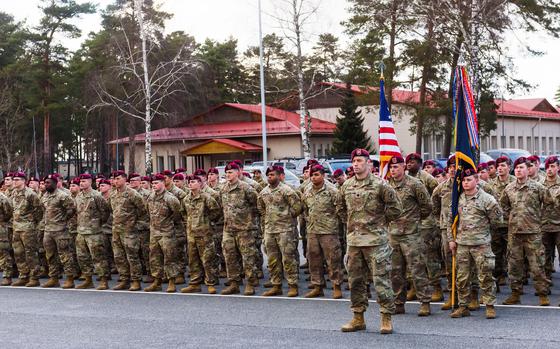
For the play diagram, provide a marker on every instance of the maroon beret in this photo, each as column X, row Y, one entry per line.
column 200, row 172
column 75, row 181
column 451, row 161
column 312, row 162
column 533, row 159
column 429, row 163
column 396, row 159
column 133, row 175
column 468, row 172
column 180, row 170
column 277, row 169
column 158, row 177
column 9, row 174
column 338, row 173
column 349, row 170
column 359, row 152
column 503, row 158
column 146, row 179
column 57, row 175
column 257, row 170
column 413, row 156
column 238, row 163
column 437, row 172
column 53, row 177
column 168, row 173
column 194, row 178
column 33, row 179
column 317, row 168
column 19, row 174
column 521, row 160
column 100, row 176
column 179, row 177
column 105, row 181
column 246, row 174
column 231, row 166
column 491, row 163
column 551, row 160
column 119, row 173
column 214, row 171
column 85, row 176
column 482, row 167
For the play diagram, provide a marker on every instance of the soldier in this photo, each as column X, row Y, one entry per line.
column 339, row 177
column 33, row 183
column 239, row 202
column 492, row 169
column 218, row 224
column 534, row 169
column 201, row 208
column 522, row 202
column 179, row 228
column 59, row 208
column 179, row 181
column 126, row 205
column 364, row 199
column 164, row 208
column 478, row 213
column 73, row 222
column 26, row 215
column 214, row 179
column 146, row 183
column 551, row 216
column 323, row 228
column 98, row 179
column 482, row 171
column 104, row 187
column 257, row 177
column 142, row 225
column 405, row 239
column 93, row 212
column 429, row 166
column 439, row 175
column 6, row 260
column 350, row 172
column 278, row 205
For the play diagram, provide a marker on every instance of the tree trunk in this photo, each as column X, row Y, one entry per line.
column 304, row 131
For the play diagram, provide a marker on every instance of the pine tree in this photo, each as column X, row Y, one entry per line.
column 557, row 96
column 349, row 133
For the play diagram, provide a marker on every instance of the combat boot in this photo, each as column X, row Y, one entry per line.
column 69, row 283
column 276, row 290
column 21, row 282
column 437, row 295
column 337, row 292
column 399, row 308
column 171, row 288
column 474, row 304
column 386, row 324
column 191, row 289
column 148, row 279
column 135, row 285
column 51, row 282
column 543, row 300
column 179, row 280
column 514, row 298
column 122, row 285
column 490, row 312
column 293, row 291
column 462, row 311
column 233, row 288
column 502, row 281
column 356, row 324
column 447, row 305
column 249, row 289
column 88, row 283
column 317, row 291
column 268, row 284
column 6, row 282
column 211, row 289
column 155, row 286
column 33, row 283
column 411, row 294
column 103, row 284
column 424, row 309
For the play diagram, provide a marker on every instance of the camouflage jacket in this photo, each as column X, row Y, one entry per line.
column 93, row 212
column 498, row 187
column 215, row 194
column 415, row 204
column 441, row 201
column 27, row 209
column 539, row 177
column 73, row 221
column 126, row 205
column 523, row 206
column 278, row 207
column 239, row 202
column 5, row 210
column 486, row 186
column 164, row 208
column 367, row 206
column 551, row 213
column 143, row 222
column 258, row 187
column 200, row 209
column 430, row 183
column 478, row 214
column 107, row 227
column 180, row 195
column 320, row 209
column 58, row 210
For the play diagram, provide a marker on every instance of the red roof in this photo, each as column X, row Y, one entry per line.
column 527, row 108
column 399, row 95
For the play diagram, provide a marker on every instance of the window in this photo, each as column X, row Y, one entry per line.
column 221, row 163
column 320, row 151
column 439, row 146
column 529, row 145
column 183, row 161
column 160, row 164
column 550, row 145
column 503, row 141
column 557, row 145
column 315, row 149
column 171, row 163
column 536, row 145
column 512, row 141
column 484, row 143
column 543, row 146
column 494, row 141
column 427, row 142
column 520, row 142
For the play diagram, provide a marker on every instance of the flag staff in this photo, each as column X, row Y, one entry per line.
column 263, row 100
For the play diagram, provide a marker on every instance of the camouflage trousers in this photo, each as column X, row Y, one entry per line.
column 499, row 248
column 218, row 231
column 321, row 249
column 203, row 260
column 126, row 249
column 303, row 234
column 6, row 260
column 281, row 253
column 528, row 246
column 26, row 253
column 363, row 260
column 181, row 250
column 432, row 241
column 90, row 249
column 73, row 248
column 163, row 256
column 145, row 249
column 240, row 254
column 59, row 243
column 480, row 257
column 448, row 263
column 551, row 242
column 408, row 254
column 107, row 241
column 43, row 265
column 259, row 257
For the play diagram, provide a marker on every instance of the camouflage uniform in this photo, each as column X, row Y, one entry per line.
column 239, row 202
column 217, row 225
column 259, row 233
column 6, row 260
column 180, row 237
column 551, row 227
column 73, row 230
column 523, row 205
column 477, row 215
column 201, row 209
column 93, row 211
column 59, row 208
column 406, row 241
column 27, row 214
column 500, row 233
column 367, row 206
column 278, row 207
column 127, row 205
column 319, row 205
column 43, row 265
column 143, row 228
column 164, row 208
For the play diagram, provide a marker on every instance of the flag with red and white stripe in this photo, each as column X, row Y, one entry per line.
column 388, row 143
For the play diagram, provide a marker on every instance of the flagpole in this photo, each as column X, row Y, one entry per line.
column 263, row 100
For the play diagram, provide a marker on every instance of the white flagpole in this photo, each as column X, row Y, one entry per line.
column 263, row 101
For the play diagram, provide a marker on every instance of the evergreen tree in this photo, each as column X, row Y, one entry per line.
column 349, row 133
column 557, row 96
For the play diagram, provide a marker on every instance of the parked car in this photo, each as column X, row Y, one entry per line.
column 332, row 165
column 513, row 154
column 291, row 178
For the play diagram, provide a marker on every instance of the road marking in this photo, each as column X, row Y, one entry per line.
column 521, row 306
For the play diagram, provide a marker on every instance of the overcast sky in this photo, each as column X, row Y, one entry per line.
column 220, row 19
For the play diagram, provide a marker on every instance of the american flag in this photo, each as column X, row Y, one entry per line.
column 388, row 143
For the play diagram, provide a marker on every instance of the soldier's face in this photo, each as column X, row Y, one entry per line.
column 74, row 188
column 8, row 181
column 18, row 183
column 85, row 184
column 341, row 179
column 306, row 174
column 213, row 177
column 491, row 170
column 42, row 186
column 257, row 175
column 360, row 165
column 145, row 185
column 168, row 180
column 317, row 178
column 179, row 183
column 484, row 175
column 273, row 178
column 533, row 168
column 552, row 170
column 521, row 171
column 396, row 170
column 50, row 185
column 104, row 188
column 451, row 170
column 232, row 175
column 119, row 182
column 413, row 166
column 440, row 178
column 34, row 185
column 158, row 186
column 503, row 169
column 134, row 183
column 195, row 185
column 429, row 168
column 469, row 183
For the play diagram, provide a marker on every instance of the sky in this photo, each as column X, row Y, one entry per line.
column 220, row 19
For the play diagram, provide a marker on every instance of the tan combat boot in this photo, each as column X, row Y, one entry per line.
column 437, row 295
column 21, row 282
column 33, row 283
column 249, row 289
column 211, row 289
column 6, row 282
column 155, row 286
column 103, row 284
column 474, row 304
column 411, row 294
column 293, row 291
column 274, row 291
column 386, row 324
column 462, row 311
column 490, row 312
column 148, row 279
column 135, row 285
column 268, row 284
column 69, row 283
column 447, row 305
column 88, row 283
column 544, row 301
column 233, row 288
column 122, row 285
column 502, row 281
column 356, row 324
column 317, row 291
column 51, row 282
column 337, row 292
column 424, row 309
column 191, row 289
column 171, row 288
column 514, row 298
column 179, row 280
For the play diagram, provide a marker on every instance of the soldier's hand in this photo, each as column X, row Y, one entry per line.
column 453, row 247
